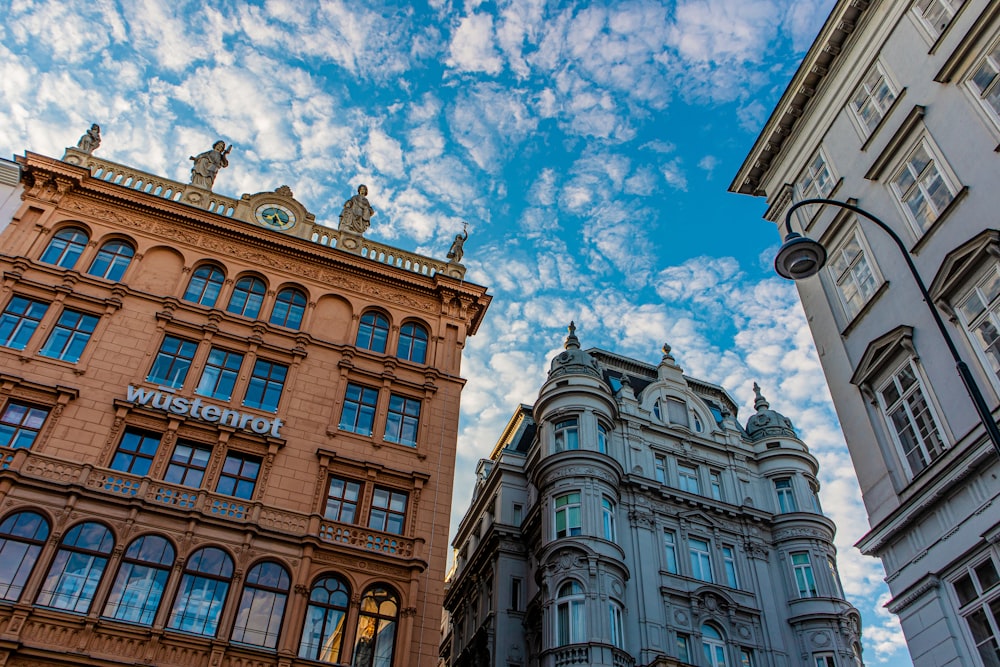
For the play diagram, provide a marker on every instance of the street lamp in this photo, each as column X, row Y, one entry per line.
column 801, row 257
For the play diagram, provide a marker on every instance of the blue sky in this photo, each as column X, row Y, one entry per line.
column 588, row 145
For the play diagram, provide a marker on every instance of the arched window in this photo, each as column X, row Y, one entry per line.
column 66, row 247
column 76, row 571
column 258, row 620
column 323, row 629
column 373, row 332
column 412, row 343
column 248, row 295
column 203, row 289
column 713, row 646
column 570, row 622
column 289, row 307
column 138, row 588
column 198, row 606
column 376, row 636
column 22, row 536
column 111, row 260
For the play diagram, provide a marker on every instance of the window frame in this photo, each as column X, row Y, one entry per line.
column 989, row 315
column 186, row 465
column 71, row 245
column 411, row 347
column 22, row 325
column 660, row 468
column 569, row 506
column 933, row 27
column 220, row 373
column 570, row 614
column 27, row 555
column 73, row 334
column 688, row 478
column 670, row 551
column 402, row 424
column 810, row 183
column 803, row 574
column 209, row 291
column 23, row 426
column 236, row 481
column 918, row 386
column 117, row 260
column 566, row 434
column 378, row 620
column 80, row 593
column 259, row 598
column 935, row 159
column 192, row 577
column 292, row 301
column 701, row 559
column 364, row 410
column 373, row 332
column 382, row 517
column 250, row 290
column 332, row 620
column 608, row 521
column 784, row 492
column 142, row 589
column 178, row 358
column 729, row 566
column 140, row 453
column 342, row 500
column 261, row 387
column 851, row 272
column 882, row 107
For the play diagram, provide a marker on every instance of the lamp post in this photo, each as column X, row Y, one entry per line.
column 801, row 257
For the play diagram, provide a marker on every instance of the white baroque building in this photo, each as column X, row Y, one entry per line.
column 627, row 518
column 896, row 109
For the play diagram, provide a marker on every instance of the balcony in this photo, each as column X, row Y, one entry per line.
column 587, row 654
column 236, row 511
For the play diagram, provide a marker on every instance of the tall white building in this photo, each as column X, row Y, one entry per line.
column 628, row 519
column 896, row 108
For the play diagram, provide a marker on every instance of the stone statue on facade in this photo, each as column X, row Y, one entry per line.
column 456, row 252
column 208, row 164
column 357, row 214
column 90, row 140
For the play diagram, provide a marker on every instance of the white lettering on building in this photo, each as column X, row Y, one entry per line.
column 214, row 414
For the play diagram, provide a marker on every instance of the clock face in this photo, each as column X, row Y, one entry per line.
column 275, row 216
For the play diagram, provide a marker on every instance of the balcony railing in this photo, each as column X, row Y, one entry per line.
column 153, row 492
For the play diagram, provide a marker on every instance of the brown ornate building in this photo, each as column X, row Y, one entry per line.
column 227, row 433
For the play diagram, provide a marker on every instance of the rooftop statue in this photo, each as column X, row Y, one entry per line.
column 456, row 252
column 357, row 214
column 90, row 140
column 208, row 164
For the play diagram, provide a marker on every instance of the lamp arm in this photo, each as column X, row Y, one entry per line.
column 975, row 394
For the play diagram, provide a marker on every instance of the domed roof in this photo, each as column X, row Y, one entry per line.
column 573, row 361
column 767, row 423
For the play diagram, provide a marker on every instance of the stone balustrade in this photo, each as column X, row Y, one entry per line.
column 155, row 492
column 191, row 195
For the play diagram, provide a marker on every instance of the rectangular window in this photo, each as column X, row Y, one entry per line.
column 515, row 593
column 802, row 569
column 746, row 658
column 660, row 468
column 981, row 607
column 701, row 559
column 834, row 575
column 172, row 362
column 670, row 547
column 852, row 273
column 729, row 564
column 135, row 452
column 983, row 83
column 266, row 384
column 239, row 475
column 825, row 660
column 912, row 422
column 20, row 424
column 19, row 320
column 602, row 439
column 715, row 480
column 683, row 648
column 816, row 180
column 567, row 515
column 979, row 313
column 617, row 631
column 922, row 186
column 872, row 99
column 518, row 514
column 935, row 15
column 402, row 421
column 342, row 500
column 388, row 512
column 786, row 495
column 220, row 373
column 567, row 435
column 359, row 409
column 187, row 464
column 608, row 519
column 69, row 336
column 687, row 477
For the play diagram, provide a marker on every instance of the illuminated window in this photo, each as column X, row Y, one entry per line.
column 375, row 640
column 323, row 629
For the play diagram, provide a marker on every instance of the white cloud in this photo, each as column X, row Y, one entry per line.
column 472, row 46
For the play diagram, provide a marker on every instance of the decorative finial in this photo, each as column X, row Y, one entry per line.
column 667, row 357
column 456, row 251
column 90, row 140
column 759, row 403
column 207, row 165
column 572, row 342
column 283, row 190
column 357, row 213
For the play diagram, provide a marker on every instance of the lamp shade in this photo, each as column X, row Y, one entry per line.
column 799, row 257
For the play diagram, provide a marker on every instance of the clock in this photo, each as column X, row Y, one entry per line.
column 275, row 216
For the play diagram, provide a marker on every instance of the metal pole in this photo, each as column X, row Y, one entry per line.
column 985, row 416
